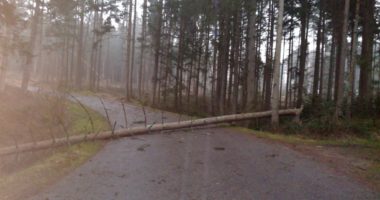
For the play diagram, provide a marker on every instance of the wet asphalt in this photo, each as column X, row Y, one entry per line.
column 213, row 163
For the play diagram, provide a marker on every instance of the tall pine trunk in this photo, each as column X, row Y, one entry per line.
column 142, row 52
column 131, row 79
column 276, row 72
column 31, row 47
column 342, row 58
column 354, row 51
column 369, row 24
column 129, row 49
column 80, row 54
column 331, row 70
column 157, row 49
column 317, row 62
column 252, row 67
column 303, row 54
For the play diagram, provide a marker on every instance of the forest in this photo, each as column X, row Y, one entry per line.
column 202, row 57
column 189, row 99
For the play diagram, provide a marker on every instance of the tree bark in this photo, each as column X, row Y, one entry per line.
column 321, row 84
column 331, row 70
column 31, row 47
column 316, row 81
column 342, row 58
column 268, row 71
column 354, row 51
column 129, row 44
column 157, row 49
column 369, row 25
column 252, row 67
column 276, row 71
column 131, row 79
column 303, row 54
column 142, row 53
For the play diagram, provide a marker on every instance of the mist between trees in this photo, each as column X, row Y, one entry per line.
column 200, row 56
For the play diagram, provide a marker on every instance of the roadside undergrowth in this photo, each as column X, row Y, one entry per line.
column 349, row 141
column 33, row 179
column 47, row 117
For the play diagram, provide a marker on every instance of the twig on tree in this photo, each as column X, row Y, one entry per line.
column 32, row 136
column 145, row 120
column 52, row 135
column 106, row 111
column 113, row 129
column 179, row 118
column 162, row 117
column 125, row 115
column 17, row 147
column 150, row 127
column 191, row 124
column 60, row 121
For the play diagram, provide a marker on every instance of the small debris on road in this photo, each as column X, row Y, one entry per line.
column 271, row 156
column 143, row 147
column 219, row 148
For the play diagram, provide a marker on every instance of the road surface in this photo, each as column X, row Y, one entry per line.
column 199, row 164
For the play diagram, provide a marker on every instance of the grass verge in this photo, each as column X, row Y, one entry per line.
column 46, row 171
column 80, row 122
column 300, row 139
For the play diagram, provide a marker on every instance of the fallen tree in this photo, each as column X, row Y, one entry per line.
column 141, row 131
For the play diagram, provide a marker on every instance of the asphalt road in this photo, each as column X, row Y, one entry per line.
column 199, row 164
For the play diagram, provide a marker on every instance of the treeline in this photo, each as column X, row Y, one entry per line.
column 220, row 54
column 204, row 56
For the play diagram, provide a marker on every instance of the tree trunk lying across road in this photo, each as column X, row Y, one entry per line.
column 141, row 131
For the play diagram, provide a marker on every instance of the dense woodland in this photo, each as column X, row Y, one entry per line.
column 206, row 57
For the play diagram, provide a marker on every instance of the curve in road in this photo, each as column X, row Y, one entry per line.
column 199, row 164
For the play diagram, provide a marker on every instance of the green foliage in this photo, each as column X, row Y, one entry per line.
column 377, row 106
column 361, row 128
column 318, row 119
column 367, row 108
column 291, row 128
